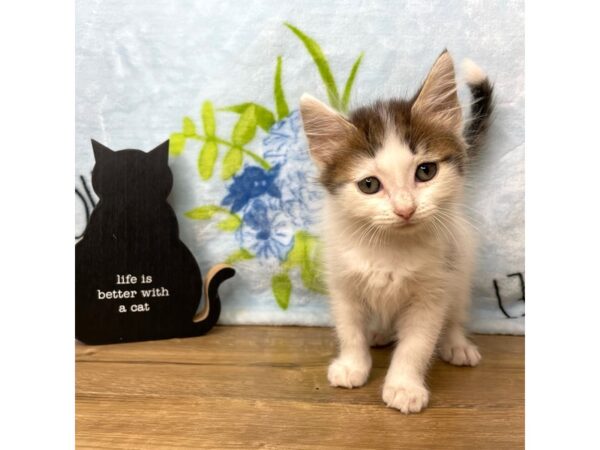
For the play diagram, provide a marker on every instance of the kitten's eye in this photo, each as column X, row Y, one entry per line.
column 369, row 185
column 426, row 171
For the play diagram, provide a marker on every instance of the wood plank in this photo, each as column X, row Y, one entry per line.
column 265, row 387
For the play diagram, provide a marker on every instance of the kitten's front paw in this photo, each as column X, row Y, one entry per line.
column 348, row 374
column 408, row 397
column 464, row 354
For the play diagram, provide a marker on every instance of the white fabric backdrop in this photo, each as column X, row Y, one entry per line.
column 143, row 66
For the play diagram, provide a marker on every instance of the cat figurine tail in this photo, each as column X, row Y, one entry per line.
column 206, row 318
column 135, row 280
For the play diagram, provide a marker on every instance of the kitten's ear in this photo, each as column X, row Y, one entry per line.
column 100, row 151
column 161, row 153
column 438, row 100
column 324, row 127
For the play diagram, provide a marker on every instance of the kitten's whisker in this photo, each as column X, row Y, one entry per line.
column 449, row 231
column 453, row 216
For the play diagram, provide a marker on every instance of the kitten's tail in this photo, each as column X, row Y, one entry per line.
column 482, row 107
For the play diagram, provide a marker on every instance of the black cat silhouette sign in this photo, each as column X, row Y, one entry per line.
column 135, row 280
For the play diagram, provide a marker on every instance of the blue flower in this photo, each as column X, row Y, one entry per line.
column 266, row 232
column 286, row 140
column 251, row 183
column 275, row 204
column 301, row 195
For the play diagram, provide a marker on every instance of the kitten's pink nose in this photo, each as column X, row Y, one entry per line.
column 405, row 212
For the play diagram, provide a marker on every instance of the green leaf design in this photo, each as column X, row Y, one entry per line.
column 264, row 164
column 310, row 273
column 208, row 119
column 322, row 65
column 232, row 162
column 176, row 143
column 241, row 255
column 298, row 254
column 203, row 212
column 207, row 158
column 245, row 128
column 280, row 103
column 350, row 82
column 188, row 128
column 231, row 224
column 264, row 118
column 282, row 289
column 305, row 255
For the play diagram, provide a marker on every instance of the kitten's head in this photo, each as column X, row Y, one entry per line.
column 396, row 164
column 131, row 173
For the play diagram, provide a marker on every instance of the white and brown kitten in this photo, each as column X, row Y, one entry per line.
column 399, row 250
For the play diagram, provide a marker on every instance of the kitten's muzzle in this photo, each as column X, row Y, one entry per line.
column 405, row 212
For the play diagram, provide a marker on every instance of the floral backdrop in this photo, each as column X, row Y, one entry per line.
column 222, row 84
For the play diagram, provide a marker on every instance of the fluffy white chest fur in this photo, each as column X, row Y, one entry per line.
column 386, row 272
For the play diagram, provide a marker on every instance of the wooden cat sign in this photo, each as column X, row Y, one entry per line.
column 135, row 280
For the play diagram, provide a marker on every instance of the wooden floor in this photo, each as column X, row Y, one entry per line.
column 263, row 387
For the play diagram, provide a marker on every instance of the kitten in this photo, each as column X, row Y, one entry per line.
column 399, row 251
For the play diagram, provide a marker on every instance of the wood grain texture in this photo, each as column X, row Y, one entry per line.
column 266, row 387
